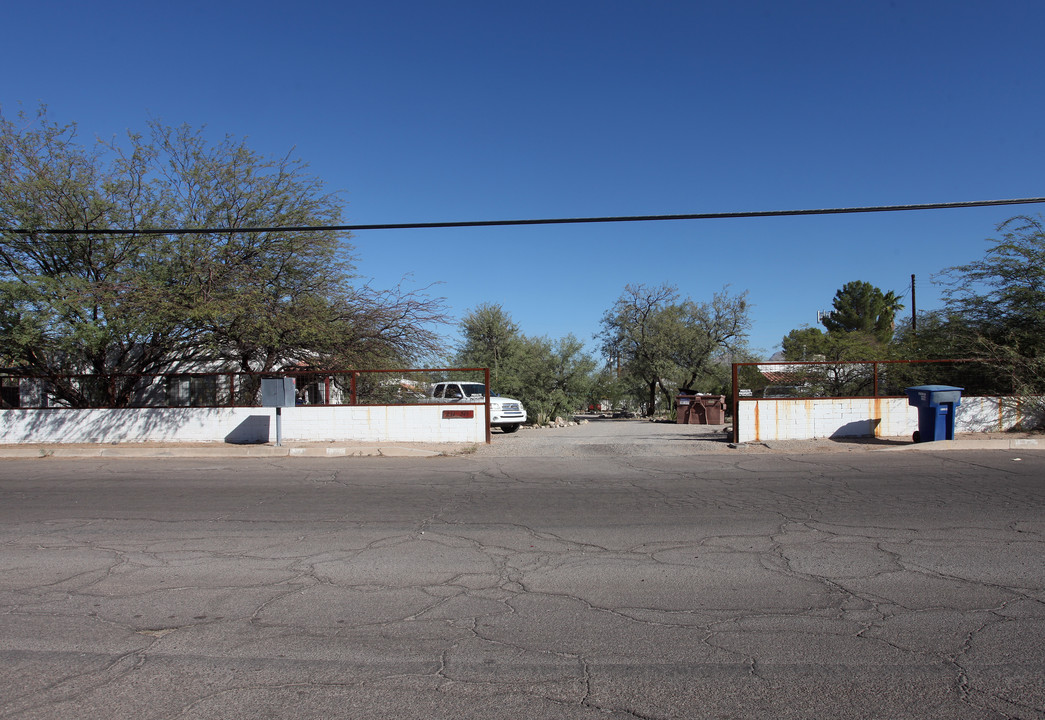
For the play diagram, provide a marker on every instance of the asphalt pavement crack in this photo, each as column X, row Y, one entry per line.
column 641, row 587
column 72, row 687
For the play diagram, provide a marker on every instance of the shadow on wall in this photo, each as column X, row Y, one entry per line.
column 990, row 414
column 254, row 430
column 99, row 426
column 131, row 425
column 858, row 428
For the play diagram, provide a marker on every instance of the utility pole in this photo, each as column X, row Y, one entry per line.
column 914, row 307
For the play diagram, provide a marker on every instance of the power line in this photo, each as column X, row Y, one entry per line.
column 544, row 221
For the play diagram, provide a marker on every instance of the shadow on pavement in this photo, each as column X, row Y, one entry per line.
column 871, row 441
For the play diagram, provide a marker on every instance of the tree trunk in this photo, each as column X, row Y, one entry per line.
column 652, row 399
column 667, row 397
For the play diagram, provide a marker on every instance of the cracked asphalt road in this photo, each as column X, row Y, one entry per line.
column 722, row 585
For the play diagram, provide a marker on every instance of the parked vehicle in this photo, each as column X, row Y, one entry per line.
column 505, row 413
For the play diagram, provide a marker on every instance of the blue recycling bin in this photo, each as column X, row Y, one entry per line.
column 936, row 407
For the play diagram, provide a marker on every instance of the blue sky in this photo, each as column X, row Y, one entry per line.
column 423, row 111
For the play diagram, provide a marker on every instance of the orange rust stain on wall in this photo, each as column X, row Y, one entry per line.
column 878, row 415
column 756, row 421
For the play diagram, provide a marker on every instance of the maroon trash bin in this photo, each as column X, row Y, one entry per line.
column 685, row 406
column 714, row 407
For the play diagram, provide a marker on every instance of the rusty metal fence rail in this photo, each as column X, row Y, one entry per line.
column 865, row 379
column 872, row 378
column 227, row 389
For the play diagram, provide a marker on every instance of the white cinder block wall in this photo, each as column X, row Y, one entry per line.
column 762, row 420
column 364, row 423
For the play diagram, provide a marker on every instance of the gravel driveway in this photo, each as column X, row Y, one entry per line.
column 613, row 437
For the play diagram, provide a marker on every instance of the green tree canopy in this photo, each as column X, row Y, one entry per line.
column 148, row 301
column 861, row 307
column 637, row 336
column 663, row 341
column 1001, row 298
column 995, row 308
column 551, row 377
column 490, row 338
column 859, row 328
column 813, row 344
column 805, row 343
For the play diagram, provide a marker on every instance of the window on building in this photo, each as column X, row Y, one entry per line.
column 10, row 395
column 192, row 391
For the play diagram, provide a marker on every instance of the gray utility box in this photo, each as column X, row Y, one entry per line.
column 278, row 392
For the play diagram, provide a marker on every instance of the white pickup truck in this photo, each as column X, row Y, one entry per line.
column 505, row 413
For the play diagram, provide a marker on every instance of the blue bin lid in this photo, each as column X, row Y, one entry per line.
column 933, row 388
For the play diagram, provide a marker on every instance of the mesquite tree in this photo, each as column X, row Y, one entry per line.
column 246, row 293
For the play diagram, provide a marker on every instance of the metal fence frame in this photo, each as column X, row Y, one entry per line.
column 875, row 365
column 230, row 399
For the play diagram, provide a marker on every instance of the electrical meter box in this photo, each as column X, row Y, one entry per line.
column 277, row 392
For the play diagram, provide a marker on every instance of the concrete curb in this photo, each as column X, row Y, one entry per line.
column 325, row 450
column 22, row 452
column 972, row 444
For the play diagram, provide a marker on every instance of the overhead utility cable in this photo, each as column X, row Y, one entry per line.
column 546, row 221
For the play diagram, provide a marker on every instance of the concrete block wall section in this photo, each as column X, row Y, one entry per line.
column 807, row 419
column 377, row 423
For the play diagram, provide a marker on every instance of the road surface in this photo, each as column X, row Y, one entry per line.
column 597, row 585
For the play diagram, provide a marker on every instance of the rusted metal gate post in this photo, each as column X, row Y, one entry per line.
column 486, row 380
column 736, row 404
